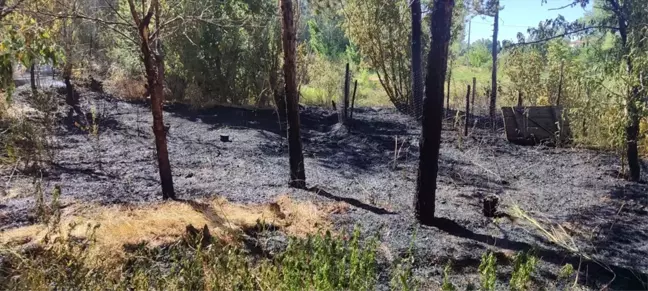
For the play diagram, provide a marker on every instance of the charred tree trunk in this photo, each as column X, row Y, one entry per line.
column 154, row 66
column 430, row 142
column 632, row 109
column 417, row 59
column 297, row 172
column 632, row 134
column 493, row 97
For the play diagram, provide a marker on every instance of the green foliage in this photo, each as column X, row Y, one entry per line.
column 325, row 81
column 488, row 271
column 24, row 41
column 447, row 285
column 326, row 35
column 381, row 31
column 523, row 266
column 229, row 63
column 478, row 55
column 566, row 271
column 521, row 67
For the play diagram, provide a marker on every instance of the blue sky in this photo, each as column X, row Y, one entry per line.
column 518, row 15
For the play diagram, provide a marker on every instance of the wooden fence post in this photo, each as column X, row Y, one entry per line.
column 474, row 88
column 560, row 83
column 519, row 99
column 355, row 88
column 467, row 122
column 345, row 101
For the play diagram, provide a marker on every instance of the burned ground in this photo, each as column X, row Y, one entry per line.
column 372, row 167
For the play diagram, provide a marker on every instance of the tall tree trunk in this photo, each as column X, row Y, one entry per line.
column 632, row 110
column 430, row 142
column 632, row 134
column 154, row 65
column 297, row 172
column 417, row 57
column 493, row 99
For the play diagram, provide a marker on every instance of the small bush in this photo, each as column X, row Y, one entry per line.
column 325, row 82
column 523, row 266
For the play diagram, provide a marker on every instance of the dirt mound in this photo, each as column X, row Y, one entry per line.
column 113, row 227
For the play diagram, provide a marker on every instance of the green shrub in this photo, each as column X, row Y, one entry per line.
column 488, row 272
column 325, row 81
column 523, row 266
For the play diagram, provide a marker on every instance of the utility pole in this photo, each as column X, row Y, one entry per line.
column 469, row 29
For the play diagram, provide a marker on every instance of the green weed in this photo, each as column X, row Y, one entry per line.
column 523, row 266
column 447, row 285
column 319, row 262
column 488, row 272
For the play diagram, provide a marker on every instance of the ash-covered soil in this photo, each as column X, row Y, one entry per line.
column 373, row 168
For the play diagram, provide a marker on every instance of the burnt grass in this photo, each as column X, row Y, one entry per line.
column 578, row 188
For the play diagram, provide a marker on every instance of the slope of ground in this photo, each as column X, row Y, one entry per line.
column 373, row 169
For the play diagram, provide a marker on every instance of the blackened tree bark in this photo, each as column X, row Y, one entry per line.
column 417, row 56
column 493, row 99
column 297, row 173
column 154, row 66
column 633, row 99
column 433, row 111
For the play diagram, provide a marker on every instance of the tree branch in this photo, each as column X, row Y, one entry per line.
column 570, row 5
column 114, row 10
column 562, row 35
column 6, row 10
column 134, row 14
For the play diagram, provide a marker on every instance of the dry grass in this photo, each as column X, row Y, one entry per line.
column 554, row 233
column 125, row 87
column 166, row 222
